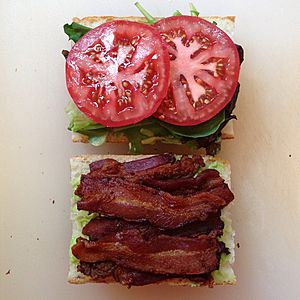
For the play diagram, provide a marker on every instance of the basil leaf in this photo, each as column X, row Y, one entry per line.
column 197, row 131
column 75, row 31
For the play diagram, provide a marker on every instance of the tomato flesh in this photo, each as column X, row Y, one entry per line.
column 204, row 70
column 118, row 73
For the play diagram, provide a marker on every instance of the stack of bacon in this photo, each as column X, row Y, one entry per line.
column 157, row 220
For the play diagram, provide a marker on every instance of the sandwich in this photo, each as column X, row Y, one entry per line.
column 140, row 220
column 172, row 80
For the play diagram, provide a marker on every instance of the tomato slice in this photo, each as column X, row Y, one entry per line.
column 118, row 73
column 204, row 70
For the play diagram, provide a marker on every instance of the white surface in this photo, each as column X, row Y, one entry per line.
column 35, row 149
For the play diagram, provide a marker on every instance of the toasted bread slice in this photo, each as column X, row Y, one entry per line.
column 225, row 23
column 80, row 165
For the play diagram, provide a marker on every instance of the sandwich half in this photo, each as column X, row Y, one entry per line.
column 141, row 220
column 207, row 135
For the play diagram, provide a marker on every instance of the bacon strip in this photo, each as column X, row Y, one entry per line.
column 148, row 163
column 99, row 164
column 130, row 277
column 185, row 167
column 134, row 165
column 160, row 255
column 170, row 185
column 158, row 220
column 102, row 227
column 134, row 202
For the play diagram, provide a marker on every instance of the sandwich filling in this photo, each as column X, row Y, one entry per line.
column 151, row 220
column 194, row 106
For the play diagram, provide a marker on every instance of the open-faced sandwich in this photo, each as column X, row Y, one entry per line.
column 141, row 80
column 140, row 220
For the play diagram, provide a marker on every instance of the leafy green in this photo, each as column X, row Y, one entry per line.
column 216, row 165
column 214, row 22
column 135, row 140
column 75, row 31
column 145, row 122
column 150, row 18
column 146, row 132
column 225, row 272
column 177, row 13
column 193, row 10
column 78, row 120
column 96, row 137
column 197, row 131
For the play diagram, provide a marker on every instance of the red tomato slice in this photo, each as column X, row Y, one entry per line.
column 204, row 70
column 118, row 73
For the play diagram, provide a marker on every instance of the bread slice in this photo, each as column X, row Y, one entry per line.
column 80, row 165
column 225, row 23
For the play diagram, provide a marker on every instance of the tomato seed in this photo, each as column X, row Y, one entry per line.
column 98, row 48
column 134, row 42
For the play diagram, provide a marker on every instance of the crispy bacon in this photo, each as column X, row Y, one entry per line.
column 148, row 163
column 130, row 277
column 158, row 220
column 101, row 227
column 99, row 269
column 158, row 167
column 185, row 167
column 134, row 165
column 134, row 202
column 161, row 255
column 195, row 183
column 105, row 165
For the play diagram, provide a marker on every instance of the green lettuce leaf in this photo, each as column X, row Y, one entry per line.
column 197, row 131
column 75, row 31
column 78, row 120
column 225, row 273
column 146, row 132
